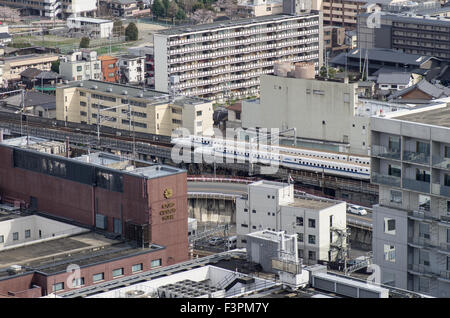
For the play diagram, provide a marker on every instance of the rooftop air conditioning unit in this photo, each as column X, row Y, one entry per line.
column 134, row 293
column 109, row 89
column 124, row 92
column 81, row 84
column 94, row 87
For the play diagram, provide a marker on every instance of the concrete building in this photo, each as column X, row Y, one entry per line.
column 80, row 66
column 54, row 9
column 14, row 65
column 139, row 201
column 148, row 52
column 320, row 225
column 411, row 223
column 153, row 112
column 94, row 28
column 394, row 81
column 413, row 34
column 131, row 69
column 110, row 69
column 258, row 8
column 332, row 109
column 344, row 13
column 36, row 103
column 227, row 58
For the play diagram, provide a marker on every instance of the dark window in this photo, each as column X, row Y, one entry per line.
column 299, row 221
column 312, row 223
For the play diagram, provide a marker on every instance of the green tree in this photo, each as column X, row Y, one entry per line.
column 84, row 43
column 323, row 71
column 181, row 15
column 173, row 9
column 198, row 5
column 158, row 8
column 55, row 66
column 166, row 5
column 131, row 32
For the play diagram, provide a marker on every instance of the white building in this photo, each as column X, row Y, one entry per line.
column 54, row 9
column 94, row 28
column 131, row 69
column 226, row 59
column 80, row 66
column 320, row 225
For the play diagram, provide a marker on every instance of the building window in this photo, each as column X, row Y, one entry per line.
column 98, row 277
column 79, row 68
column 395, row 171
column 83, row 113
column 448, row 236
column 389, row 226
column 447, row 180
column 424, row 203
column 199, row 113
column 448, row 206
column 253, row 211
column 422, row 175
column 389, row 253
column 136, row 268
column 312, row 223
column 299, row 221
column 300, row 237
column 311, row 239
column 394, row 144
column 300, row 253
column 58, row 287
column 254, row 227
column 78, row 282
column 27, row 233
column 396, row 196
column 15, row 236
column 82, row 94
column 244, row 225
column 424, row 230
column 312, row 255
column 424, row 258
column 117, row 272
column 156, row 263
column 2, row 239
column 246, row 210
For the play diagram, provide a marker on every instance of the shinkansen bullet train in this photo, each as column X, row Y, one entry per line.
column 339, row 164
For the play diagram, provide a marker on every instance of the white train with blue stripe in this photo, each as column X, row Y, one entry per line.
column 333, row 163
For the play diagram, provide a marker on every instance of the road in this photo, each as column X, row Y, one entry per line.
column 237, row 188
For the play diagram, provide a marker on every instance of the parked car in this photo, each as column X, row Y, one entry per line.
column 215, row 241
column 355, row 209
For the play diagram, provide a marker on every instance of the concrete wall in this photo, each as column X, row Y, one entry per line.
column 161, row 72
column 39, row 227
column 330, row 107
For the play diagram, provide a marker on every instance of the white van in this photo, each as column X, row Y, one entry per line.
column 231, row 242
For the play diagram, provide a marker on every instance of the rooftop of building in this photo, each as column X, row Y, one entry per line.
column 231, row 23
column 269, row 184
column 91, row 20
column 385, row 55
column 127, row 91
column 130, row 56
column 414, row 18
column 394, row 78
column 435, row 117
column 136, row 167
column 435, row 91
column 32, row 98
column 53, row 256
column 270, row 235
column 312, row 203
column 106, row 58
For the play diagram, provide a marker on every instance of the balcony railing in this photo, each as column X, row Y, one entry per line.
column 421, row 241
column 422, row 215
column 445, row 247
column 416, row 157
column 439, row 189
column 386, row 179
column 441, row 162
column 382, row 151
column 416, row 185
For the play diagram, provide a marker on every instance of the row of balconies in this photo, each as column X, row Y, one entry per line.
column 242, row 33
column 225, row 70
column 222, row 79
column 219, row 88
column 235, row 60
column 227, row 52
column 235, row 43
column 420, row 269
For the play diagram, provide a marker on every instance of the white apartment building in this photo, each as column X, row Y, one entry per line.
column 94, row 28
column 225, row 59
column 80, row 66
column 411, row 223
column 320, row 225
column 131, row 69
